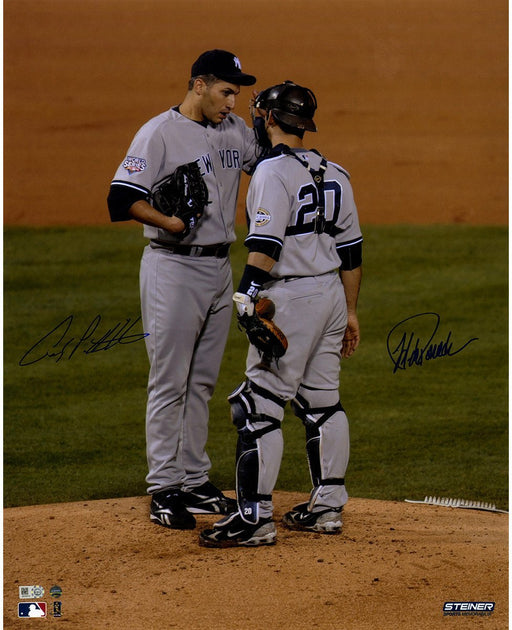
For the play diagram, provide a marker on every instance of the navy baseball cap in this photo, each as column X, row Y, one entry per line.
column 222, row 64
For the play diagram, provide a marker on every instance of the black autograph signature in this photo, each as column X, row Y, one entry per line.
column 411, row 349
column 59, row 344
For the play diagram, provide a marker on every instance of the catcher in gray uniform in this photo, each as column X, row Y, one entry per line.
column 303, row 272
column 180, row 178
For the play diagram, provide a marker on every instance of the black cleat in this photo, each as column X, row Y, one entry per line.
column 169, row 510
column 233, row 531
column 207, row 499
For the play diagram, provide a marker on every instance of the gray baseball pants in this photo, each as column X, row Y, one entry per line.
column 312, row 312
column 186, row 304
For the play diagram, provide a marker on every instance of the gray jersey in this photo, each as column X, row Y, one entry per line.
column 222, row 151
column 281, row 183
column 185, row 297
column 283, row 204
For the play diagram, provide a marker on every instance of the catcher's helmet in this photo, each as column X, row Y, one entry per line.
column 290, row 104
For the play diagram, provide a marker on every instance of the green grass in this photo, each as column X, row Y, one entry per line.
column 74, row 428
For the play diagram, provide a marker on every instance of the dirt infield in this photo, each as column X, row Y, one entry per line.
column 413, row 95
column 395, row 566
column 413, row 101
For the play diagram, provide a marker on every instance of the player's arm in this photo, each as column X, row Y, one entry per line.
column 129, row 202
column 351, row 273
column 351, row 283
column 264, row 244
column 261, row 260
column 257, row 140
column 143, row 212
column 255, row 316
column 255, row 275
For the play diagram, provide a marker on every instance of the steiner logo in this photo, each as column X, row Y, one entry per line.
column 482, row 609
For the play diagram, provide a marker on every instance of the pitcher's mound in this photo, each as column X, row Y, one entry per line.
column 394, row 566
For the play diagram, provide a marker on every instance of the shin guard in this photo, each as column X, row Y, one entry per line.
column 326, row 445
column 252, row 427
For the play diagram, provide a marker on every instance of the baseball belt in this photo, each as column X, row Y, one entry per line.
column 219, row 251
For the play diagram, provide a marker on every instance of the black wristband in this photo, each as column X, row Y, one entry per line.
column 252, row 280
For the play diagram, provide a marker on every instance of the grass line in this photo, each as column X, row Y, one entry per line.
column 74, row 427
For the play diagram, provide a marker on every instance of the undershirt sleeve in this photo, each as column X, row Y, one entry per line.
column 122, row 197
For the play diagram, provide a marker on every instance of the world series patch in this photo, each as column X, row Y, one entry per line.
column 262, row 217
column 134, row 164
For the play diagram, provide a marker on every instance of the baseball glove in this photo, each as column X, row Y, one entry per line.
column 184, row 195
column 262, row 332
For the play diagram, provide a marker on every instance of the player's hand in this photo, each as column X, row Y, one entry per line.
column 253, row 99
column 174, row 225
column 351, row 338
column 255, row 113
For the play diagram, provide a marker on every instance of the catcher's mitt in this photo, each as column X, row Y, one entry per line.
column 184, row 195
column 263, row 334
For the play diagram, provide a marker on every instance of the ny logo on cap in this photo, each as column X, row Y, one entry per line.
column 237, row 63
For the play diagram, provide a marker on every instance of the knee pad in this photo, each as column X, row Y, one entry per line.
column 313, row 417
column 242, row 405
column 251, row 426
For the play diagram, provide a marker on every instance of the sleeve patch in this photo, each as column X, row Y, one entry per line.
column 134, row 164
column 262, row 217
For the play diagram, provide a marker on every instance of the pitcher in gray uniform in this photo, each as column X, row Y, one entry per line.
column 305, row 254
column 185, row 281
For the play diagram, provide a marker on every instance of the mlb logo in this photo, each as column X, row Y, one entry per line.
column 32, row 609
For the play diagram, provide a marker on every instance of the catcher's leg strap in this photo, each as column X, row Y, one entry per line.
column 265, row 393
column 327, row 441
column 248, row 396
column 258, row 456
